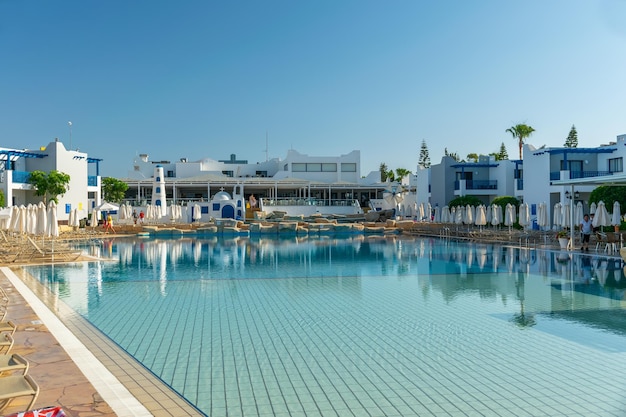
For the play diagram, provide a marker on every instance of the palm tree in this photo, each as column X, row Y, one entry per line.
column 520, row 132
column 401, row 173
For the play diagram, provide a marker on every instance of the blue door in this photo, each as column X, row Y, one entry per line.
column 228, row 212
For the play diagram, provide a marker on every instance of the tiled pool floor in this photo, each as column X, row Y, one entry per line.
column 377, row 335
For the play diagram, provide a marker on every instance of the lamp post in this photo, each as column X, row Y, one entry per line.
column 70, row 125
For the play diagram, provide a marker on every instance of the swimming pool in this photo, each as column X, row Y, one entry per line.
column 362, row 326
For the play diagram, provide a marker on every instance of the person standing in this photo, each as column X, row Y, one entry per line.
column 585, row 228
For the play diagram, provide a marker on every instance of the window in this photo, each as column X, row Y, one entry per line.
column 262, row 174
column 228, row 173
column 572, row 165
column 158, row 189
column 170, row 174
column 158, row 179
column 518, row 174
column 286, row 167
column 348, row 167
column 314, row 167
column 298, row 167
column 616, row 165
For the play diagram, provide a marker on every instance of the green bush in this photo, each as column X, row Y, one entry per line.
column 464, row 201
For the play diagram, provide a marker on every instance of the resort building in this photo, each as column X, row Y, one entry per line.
column 84, row 188
column 556, row 175
column 310, row 182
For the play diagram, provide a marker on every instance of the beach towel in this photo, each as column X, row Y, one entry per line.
column 42, row 412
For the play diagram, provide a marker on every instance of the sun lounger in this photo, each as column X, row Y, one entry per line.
column 6, row 342
column 13, row 362
column 14, row 386
column 8, row 326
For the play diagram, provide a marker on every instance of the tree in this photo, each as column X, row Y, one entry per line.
column 609, row 194
column 572, row 138
column 520, row 132
column 424, row 160
column 473, row 157
column 383, row 171
column 2, row 202
column 503, row 154
column 401, row 173
column 391, row 176
column 113, row 190
column 50, row 185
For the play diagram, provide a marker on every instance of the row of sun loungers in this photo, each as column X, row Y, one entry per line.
column 23, row 249
column 14, row 379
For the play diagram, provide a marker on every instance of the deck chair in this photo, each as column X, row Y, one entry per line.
column 13, row 362
column 8, row 326
column 6, row 342
column 611, row 242
column 600, row 241
column 14, row 386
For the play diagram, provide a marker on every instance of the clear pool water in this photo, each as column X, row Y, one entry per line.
column 362, row 327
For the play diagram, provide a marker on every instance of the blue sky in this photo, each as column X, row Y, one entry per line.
column 209, row 78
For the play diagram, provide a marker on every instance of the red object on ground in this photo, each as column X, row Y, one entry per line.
column 42, row 412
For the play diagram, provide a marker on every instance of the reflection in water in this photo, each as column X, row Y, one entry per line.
column 451, row 268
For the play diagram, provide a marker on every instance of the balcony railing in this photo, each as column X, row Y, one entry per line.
column 92, row 181
column 588, row 174
column 555, row 176
column 481, row 184
column 21, row 176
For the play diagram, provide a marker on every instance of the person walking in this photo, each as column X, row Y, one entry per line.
column 585, row 228
column 109, row 224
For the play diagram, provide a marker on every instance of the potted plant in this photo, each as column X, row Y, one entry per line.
column 563, row 238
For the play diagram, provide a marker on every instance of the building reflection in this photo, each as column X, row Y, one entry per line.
column 531, row 282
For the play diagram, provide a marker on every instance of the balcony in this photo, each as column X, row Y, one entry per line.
column 21, row 177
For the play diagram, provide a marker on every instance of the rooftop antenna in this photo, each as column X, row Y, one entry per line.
column 267, row 148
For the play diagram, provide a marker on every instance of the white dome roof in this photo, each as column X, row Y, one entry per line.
column 221, row 196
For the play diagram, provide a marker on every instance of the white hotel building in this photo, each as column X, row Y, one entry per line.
column 84, row 187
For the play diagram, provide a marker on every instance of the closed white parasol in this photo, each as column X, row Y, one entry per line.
column 42, row 219
column 524, row 215
column 616, row 217
column 459, row 215
column 510, row 215
column 496, row 215
column 445, row 214
column 481, row 216
column 197, row 214
column 601, row 217
column 469, row 214
column 53, row 225
column 578, row 214
column 557, row 215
